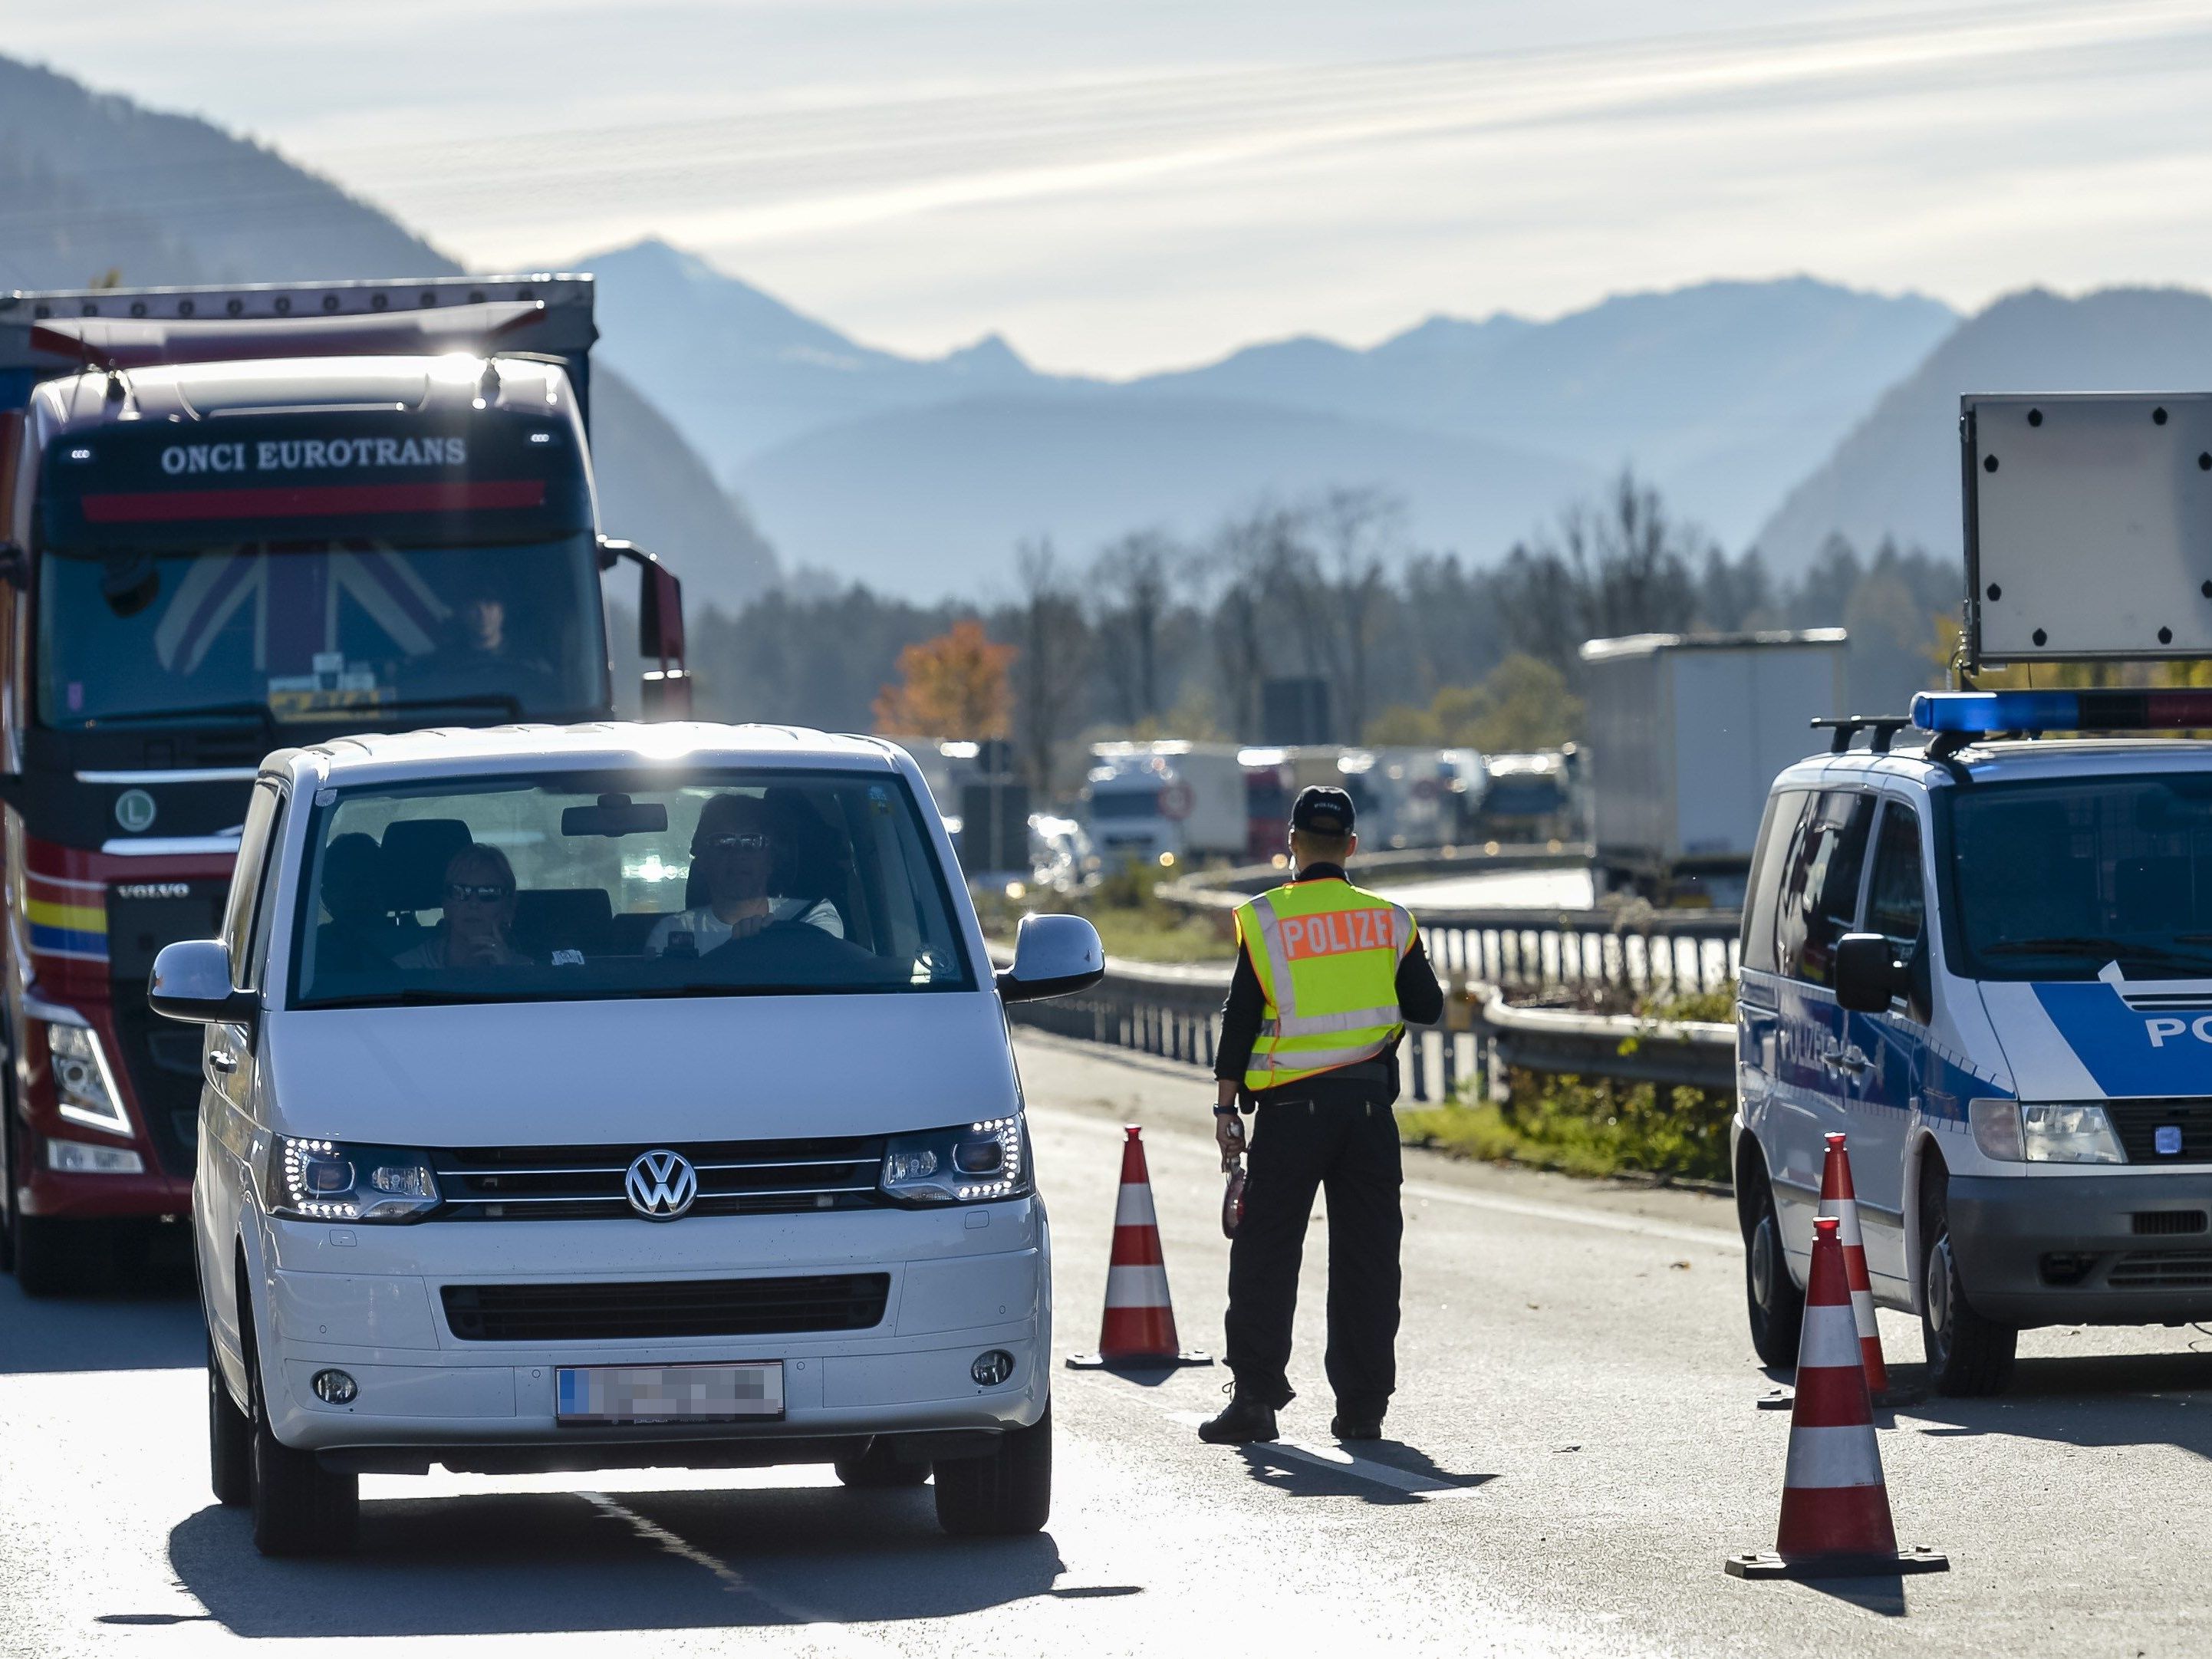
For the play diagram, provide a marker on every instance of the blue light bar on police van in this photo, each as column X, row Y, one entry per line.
column 2100, row 710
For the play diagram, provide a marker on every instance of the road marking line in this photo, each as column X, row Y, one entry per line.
column 824, row 1630
column 1714, row 1236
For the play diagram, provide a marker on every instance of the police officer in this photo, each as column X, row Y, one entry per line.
column 1326, row 977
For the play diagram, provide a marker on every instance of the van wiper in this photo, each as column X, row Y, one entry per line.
column 2090, row 944
column 423, row 997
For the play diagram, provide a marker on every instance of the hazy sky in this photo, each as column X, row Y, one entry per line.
column 1121, row 184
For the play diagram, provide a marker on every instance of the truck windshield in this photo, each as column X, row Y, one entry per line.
column 1112, row 805
column 337, row 628
column 2055, row 880
column 565, row 887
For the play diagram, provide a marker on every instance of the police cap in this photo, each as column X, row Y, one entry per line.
column 1321, row 809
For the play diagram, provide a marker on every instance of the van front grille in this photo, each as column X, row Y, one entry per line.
column 2168, row 1221
column 2138, row 1121
column 736, row 1177
column 667, row 1308
column 2163, row 1270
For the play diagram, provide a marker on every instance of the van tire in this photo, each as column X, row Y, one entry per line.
column 300, row 1508
column 1773, row 1300
column 1008, row 1492
column 1967, row 1354
column 876, row 1469
column 230, row 1440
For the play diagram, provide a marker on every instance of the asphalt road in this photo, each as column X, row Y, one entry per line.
column 1575, row 1450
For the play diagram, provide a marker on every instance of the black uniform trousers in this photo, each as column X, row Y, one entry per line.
column 1348, row 1150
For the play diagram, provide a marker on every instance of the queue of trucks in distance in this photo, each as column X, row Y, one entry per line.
column 234, row 519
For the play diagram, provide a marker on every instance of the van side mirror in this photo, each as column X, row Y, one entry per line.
column 1053, row 956
column 665, row 690
column 1868, row 973
column 192, row 981
column 14, row 565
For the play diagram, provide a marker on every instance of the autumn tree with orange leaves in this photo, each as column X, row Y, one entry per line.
column 952, row 686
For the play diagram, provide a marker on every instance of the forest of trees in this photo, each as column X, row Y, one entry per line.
column 1150, row 636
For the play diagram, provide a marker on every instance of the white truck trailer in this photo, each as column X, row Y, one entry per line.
column 1685, row 735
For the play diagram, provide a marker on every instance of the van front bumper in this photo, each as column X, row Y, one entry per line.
column 957, row 1290
column 2066, row 1249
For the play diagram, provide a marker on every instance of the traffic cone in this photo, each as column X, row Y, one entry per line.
column 1139, row 1330
column 1835, row 1509
column 1838, row 1200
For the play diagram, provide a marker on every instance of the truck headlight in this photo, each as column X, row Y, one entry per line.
column 2058, row 1132
column 964, row 1164
column 84, row 1083
column 333, row 1181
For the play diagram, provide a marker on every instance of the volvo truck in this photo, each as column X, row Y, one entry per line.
column 234, row 520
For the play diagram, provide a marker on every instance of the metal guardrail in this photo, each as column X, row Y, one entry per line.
column 1631, row 947
column 1174, row 1011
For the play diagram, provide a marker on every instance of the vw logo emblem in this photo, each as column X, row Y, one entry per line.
column 661, row 1185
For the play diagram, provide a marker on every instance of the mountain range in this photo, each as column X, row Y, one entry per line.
column 92, row 184
column 920, row 474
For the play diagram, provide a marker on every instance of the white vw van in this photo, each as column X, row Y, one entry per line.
column 613, row 1095
column 1988, row 961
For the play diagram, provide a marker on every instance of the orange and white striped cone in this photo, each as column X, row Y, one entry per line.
column 1139, row 1330
column 1835, row 1509
column 1839, row 1200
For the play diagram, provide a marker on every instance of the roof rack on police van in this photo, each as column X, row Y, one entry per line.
column 1883, row 729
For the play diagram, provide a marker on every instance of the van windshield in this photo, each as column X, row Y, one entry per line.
column 2056, row 879
column 563, row 886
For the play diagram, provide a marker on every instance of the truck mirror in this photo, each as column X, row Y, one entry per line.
column 665, row 691
column 1868, row 973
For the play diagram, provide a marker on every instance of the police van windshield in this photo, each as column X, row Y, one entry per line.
column 350, row 628
column 564, row 887
column 2056, row 879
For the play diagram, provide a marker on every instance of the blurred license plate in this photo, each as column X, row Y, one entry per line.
column 669, row 1394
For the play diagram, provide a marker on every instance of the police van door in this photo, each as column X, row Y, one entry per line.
column 1816, row 904
column 1885, row 1052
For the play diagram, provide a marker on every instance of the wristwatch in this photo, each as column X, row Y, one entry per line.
column 1231, row 1110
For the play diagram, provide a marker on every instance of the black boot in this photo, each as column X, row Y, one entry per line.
column 1355, row 1425
column 1244, row 1419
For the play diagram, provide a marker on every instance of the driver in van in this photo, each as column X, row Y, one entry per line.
column 734, row 850
column 477, row 931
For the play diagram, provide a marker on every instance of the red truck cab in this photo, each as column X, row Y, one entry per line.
column 231, row 522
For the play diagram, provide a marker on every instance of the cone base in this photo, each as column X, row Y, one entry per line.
column 1765, row 1563
column 1897, row 1394
column 1137, row 1362
column 1778, row 1400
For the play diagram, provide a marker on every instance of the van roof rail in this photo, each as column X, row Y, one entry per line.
column 1884, row 728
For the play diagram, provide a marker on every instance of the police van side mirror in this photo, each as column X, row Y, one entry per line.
column 1868, row 973
column 192, row 981
column 1053, row 956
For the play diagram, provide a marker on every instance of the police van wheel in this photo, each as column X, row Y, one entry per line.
column 1967, row 1354
column 876, row 1468
column 300, row 1508
column 1771, row 1297
column 1009, row 1492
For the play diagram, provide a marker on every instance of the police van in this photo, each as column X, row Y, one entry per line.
column 1984, row 953
column 614, row 1096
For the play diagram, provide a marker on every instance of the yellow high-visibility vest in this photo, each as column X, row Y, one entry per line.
column 1327, row 956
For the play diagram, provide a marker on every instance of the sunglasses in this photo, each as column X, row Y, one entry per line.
column 477, row 892
column 754, row 842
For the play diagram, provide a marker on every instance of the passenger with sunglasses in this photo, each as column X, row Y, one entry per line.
column 478, row 929
column 734, row 850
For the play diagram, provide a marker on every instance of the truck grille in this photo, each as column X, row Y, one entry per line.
column 2163, row 1270
column 2138, row 1121
column 736, row 1177
column 160, row 1058
column 666, row 1307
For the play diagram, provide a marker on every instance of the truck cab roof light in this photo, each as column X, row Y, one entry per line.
column 1982, row 713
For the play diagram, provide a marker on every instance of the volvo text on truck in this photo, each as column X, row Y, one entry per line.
column 232, row 520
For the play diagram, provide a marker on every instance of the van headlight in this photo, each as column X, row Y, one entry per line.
column 965, row 1163
column 333, row 1181
column 2060, row 1133
column 84, row 1083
